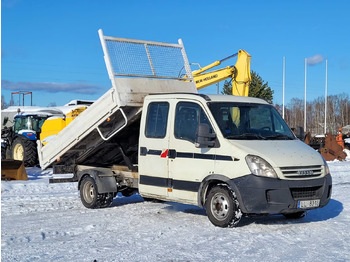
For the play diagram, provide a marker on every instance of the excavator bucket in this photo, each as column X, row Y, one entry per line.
column 13, row 170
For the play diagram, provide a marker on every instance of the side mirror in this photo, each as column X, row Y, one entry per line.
column 300, row 133
column 204, row 138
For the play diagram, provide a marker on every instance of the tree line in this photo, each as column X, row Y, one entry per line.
column 338, row 113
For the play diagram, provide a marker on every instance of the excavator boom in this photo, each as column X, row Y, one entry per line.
column 213, row 77
column 240, row 74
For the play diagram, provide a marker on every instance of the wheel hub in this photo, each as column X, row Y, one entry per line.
column 220, row 206
column 89, row 192
column 18, row 152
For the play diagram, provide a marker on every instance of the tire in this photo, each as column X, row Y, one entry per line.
column 222, row 207
column 89, row 195
column 25, row 150
column 3, row 153
column 295, row 215
column 128, row 192
column 105, row 200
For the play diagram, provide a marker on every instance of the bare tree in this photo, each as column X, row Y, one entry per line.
column 3, row 102
column 338, row 114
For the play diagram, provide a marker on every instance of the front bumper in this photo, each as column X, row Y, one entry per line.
column 261, row 195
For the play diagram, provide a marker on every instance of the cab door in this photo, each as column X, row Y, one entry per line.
column 188, row 165
column 153, row 149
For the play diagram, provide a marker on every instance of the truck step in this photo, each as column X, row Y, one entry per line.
column 62, row 180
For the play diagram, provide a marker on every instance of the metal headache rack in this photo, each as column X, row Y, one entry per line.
column 128, row 57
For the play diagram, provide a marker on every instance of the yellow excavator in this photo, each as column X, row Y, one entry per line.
column 239, row 73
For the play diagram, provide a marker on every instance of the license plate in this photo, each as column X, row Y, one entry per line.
column 309, row 203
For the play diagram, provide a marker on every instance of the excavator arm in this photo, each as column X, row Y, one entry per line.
column 239, row 73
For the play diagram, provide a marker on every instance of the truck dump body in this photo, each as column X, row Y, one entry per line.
column 108, row 130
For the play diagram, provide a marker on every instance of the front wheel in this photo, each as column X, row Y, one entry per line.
column 24, row 149
column 222, row 207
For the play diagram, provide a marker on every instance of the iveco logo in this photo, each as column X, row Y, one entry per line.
column 305, row 172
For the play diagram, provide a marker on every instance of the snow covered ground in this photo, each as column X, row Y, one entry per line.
column 47, row 222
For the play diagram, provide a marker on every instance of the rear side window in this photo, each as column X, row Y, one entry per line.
column 157, row 119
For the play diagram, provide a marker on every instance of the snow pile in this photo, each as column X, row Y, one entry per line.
column 347, row 152
column 47, row 222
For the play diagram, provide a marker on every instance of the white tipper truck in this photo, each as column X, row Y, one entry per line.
column 232, row 155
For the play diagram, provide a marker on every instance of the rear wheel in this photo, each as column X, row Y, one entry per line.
column 222, row 207
column 24, row 149
column 90, row 197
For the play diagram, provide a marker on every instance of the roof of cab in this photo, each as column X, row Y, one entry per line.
column 209, row 98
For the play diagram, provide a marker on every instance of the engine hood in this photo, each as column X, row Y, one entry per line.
column 281, row 153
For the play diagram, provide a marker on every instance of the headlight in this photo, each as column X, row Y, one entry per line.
column 260, row 167
column 326, row 168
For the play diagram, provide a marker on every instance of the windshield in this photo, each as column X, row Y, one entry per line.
column 33, row 123
column 250, row 121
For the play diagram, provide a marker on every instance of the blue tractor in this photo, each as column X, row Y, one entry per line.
column 19, row 140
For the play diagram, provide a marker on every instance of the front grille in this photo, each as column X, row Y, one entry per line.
column 301, row 171
column 305, row 192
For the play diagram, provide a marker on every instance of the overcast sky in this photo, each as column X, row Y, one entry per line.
column 52, row 47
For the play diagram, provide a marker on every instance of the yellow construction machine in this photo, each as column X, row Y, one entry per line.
column 53, row 125
column 239, row 73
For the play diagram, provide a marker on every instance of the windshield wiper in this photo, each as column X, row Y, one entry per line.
column 248, row 136
column 279, row 137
